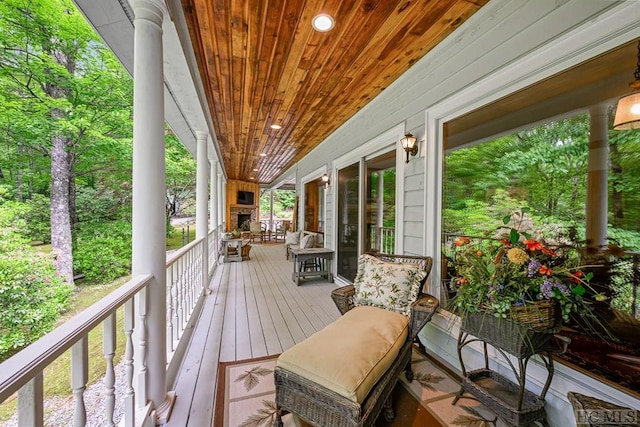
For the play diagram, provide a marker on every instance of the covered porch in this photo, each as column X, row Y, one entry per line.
column 186, row 314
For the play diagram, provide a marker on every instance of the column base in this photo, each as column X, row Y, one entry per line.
column 163, row 412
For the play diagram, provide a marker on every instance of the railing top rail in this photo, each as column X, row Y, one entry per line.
column 21, row 367
column 183, row 250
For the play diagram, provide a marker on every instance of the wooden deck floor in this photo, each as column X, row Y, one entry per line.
column 254, row 310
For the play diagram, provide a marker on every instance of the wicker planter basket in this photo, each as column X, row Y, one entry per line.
column 513, row 337
column 537, row 315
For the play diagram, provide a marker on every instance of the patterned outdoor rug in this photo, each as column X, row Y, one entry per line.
column 245, row 397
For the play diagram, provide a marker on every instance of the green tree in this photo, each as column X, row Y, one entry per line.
column 74, row 99
column 181, row 173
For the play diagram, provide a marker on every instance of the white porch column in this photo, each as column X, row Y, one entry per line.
column 213, row 209
column 149, row 227
column 219, row 197
column 271, row 227
column 223, row 193
column 202, row 194
column 597, row 175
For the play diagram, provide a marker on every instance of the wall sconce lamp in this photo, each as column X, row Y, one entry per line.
column 628, row 109
column 410, row 145
column 325, row 179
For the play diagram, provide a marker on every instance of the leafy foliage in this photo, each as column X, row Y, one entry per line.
column 283, row 203
column 181, row 184
column 103, row 251
column 31, row 295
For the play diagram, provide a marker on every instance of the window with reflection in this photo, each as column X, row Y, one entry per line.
column 545, row 170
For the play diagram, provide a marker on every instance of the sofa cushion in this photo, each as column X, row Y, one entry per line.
column 307, row 241
column 292, row 238
column 390, row 285
column 349, row 355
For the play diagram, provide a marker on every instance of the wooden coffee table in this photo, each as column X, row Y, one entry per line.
column 311, row 262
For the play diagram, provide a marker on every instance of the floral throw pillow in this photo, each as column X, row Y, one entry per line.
column 390, row 285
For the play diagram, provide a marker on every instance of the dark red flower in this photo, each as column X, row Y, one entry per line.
column 575, row 277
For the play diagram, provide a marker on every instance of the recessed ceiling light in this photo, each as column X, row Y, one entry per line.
column 322, row 22
column 263, row 154
column 251, row 177
column 255, row 170
column 276, row 127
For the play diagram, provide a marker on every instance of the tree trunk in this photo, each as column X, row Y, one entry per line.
column 73, row 211
column 61, row 171
column 60, row 219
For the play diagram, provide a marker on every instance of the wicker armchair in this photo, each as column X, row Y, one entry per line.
column 321, row 406
column 423, row 308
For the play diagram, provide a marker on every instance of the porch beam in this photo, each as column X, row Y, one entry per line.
column 148, row 212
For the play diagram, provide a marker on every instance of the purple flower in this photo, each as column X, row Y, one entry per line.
column 534, row 266
column 546, row 289
column 562, row 288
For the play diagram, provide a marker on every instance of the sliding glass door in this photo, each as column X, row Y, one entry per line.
column 348, row 223
column 381, row 203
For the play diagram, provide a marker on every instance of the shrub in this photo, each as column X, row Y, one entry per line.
column 38, row 218
column 93, row 205
column 103, row 251
column 31, row 294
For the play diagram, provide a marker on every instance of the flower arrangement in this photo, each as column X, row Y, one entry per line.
column 518, row 271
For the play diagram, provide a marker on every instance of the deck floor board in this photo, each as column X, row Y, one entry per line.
column 254, row 310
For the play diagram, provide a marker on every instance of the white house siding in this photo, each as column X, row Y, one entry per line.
column 507, row 45
column 413, row 205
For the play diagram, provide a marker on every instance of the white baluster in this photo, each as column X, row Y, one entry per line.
column 30, row 399
column 129, row 394
column 142, row 356
column 109, row 350
column 79, row 378
column 170, row 310
column 176, row 301
column 180, row 291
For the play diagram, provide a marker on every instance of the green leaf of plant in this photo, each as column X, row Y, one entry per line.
column 514, row 236
column 506, row 219
column 578, row 290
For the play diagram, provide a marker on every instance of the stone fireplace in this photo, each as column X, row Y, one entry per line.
column 241, row 213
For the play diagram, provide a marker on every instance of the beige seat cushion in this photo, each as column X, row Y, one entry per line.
column 349, row 355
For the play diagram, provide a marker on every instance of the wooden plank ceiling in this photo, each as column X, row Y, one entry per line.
column 263, row 64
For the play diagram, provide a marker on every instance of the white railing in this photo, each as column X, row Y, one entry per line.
column 184, row 288
column 23, row 373
column 384, row 239
column 213, row 250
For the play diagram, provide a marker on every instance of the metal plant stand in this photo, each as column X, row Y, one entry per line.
column 510, row 400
